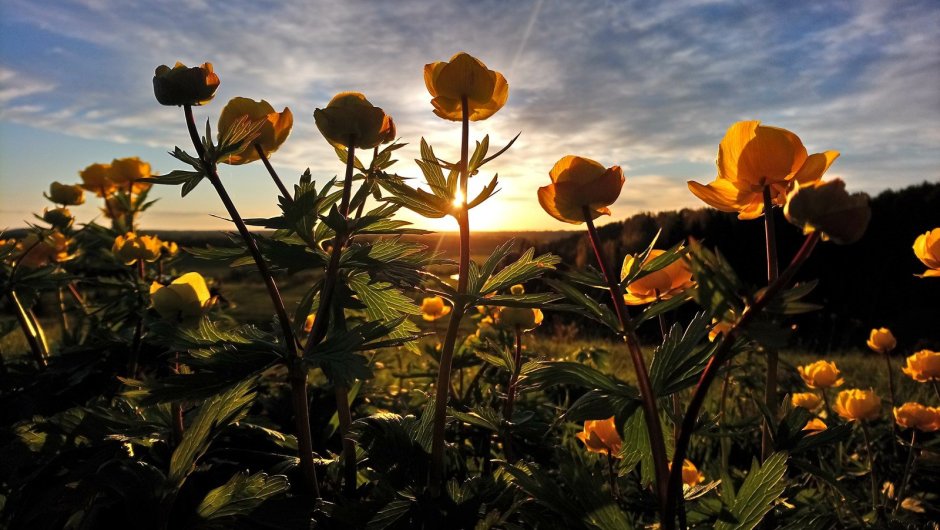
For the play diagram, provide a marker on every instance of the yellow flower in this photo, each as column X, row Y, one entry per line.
column 923, row 366
column 66, row 194
column 125, row 173
column 517, row 290
column 96, row 178
column 659, row 285
column 601, row 436
column 855, row 404
column 916, row 416
column 170, row 248
column 881, row 340
column 691, row 476
column 523, row 318
column 815, row 425
column 752, row 156
column 486, row 329
column 820, row 374
column 927, row 250
column 185, row 298
column 60, row 218
column 185, row 86
column 349, row 120
column 464, row 75
column 433, row 308
column 719, row 328
column 275, row 127
column 35, row 252
column 130, row 247
column 827, row 208
column 578, row 182
column 308, row 322
column 807, row 400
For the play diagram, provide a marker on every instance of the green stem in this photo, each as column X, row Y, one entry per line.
column 277, row 180
column 511, row 395
column 871, row 467
column 770, row 383
column 453, row 326
column 26, row 324
column 138, row 329
column 908, row 469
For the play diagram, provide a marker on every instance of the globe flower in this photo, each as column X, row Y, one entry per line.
column 855, row 404
column 275, row 127
column 916, row 416
column 659, row 285
column 349, row 120
column 815, row 425
column 751, row 157
column 465, row 76
column 59, row 218
column 927, row 250
column 827, row 208
column 578, row 182
column 185, row 86
column 127, row 172
column 719, row 328
column 601, row 436
column 881, row 340
column 66, row 194
column 96, row 178
column 806, row 400
column 821, row 374
column 184, row 299
column 522, row 318
column 35, row 252
column 923, row 366
column 131, row 247
column 433, row 308
column 170, row 248
column 691, row 476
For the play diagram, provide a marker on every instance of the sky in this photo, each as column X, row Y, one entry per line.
column 647, row 85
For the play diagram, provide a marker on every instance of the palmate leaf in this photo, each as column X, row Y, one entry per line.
column 664, row 306
column 538, row 300
column 385, row 303
column 718, row 288
column 488, row 191
column 417, row 200
column 480, row 274
column 680, row 359
column 585, row 305
column 636, row 448
column 479, row 416
column 763, row 485
column 526, row 268
column 240, row 496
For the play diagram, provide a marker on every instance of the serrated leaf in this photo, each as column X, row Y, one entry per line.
column 522, row 270
column 240, row 495
column 679, row 360
column 763, row 485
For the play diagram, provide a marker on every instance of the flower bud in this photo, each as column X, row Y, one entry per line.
column 66, row 194
column 185, row 86
column 517, row 290
column 522, row 318
column 349, row 120
column 881, row 340
column 601, row 436
column 820, row 374
column 578, row 182
column 59, row 218
column 433, row 308
column 826, row 207
column 184, row 299
column 855, row 404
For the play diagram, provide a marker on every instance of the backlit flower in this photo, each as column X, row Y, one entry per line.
column 806, row 400
column 433, row 308
column 185, row 86
column 170, row 248
column 578, row 182
column 815, row 425
column 127, row 172
column 185, row 298
column 349, row 120
column 35, row 252
column 523, row 318
column 820, row 374
column 601, row 436
column 881, row 340
column 486, row 329
column 60, row 218
column 854, row 404
column 66, row 194
column 308, row 322
column 275, row 127
column 659, row 285
column 825, row 207
column 916, row 416
column 131, row 247
column 96, row 178
column 927, row 250
column 752, row 156
column 923, row 366
column 465, row 76
column 691, row 476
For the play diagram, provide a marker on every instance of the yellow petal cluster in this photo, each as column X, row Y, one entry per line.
column 349, row 120
column 825, row 207
column 881, row 340
column 34, row 252
column 465, row 76
column 658, row 285
column 916, row 416
column 806, row 400
column 854, row 404
column 126, row 173
column 275, row 127
column 815, row 425
column 184, row 299
column 433, row 308
column 132, row 247
column 923, row 366
column 927, row 250
column 59, row 218
column 820, row 374
column 578, row 182
column 96, row 178
column 185, row 86
column 521, row 318
column 691, row 476
column 752, row 156
column 601, row 436
column 66, row 194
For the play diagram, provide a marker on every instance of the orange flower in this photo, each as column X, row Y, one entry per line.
column 827, row 208
column 916, row 416
column 923, row 366
column 691, row 476
column 464, row 75
column 927, row 250
column 752, row 156
column 65, row 194
column 58, row 218
column 185, row 86
column 349, row 120
column 806, row 400
column 35, row 252
column 308, row 322
column 130, row 247
column 855, row 404
column 881, row 340
column 815, row 425
column 96, row 178
column 275, row 127
column 659, row 285
column 601, row 436
column 126, row 172
column 433, row 308
column 524, row 318
column 184, row 299
column 578, row 182
column 820, row 374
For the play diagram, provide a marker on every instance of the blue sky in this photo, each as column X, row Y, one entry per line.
column 651, row 86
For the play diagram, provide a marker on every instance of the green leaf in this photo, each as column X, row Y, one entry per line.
column 479, row 153
column 417, row 200
column 241, row 495
column 680, row 359
column 385, row 303
column 522, row 270
column 582, row 302
column 485, row 193
column 763, row 485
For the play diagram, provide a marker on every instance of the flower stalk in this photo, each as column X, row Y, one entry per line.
column 511, row 394
column 277, row 180
column 871, row 467
column 773, row 270
column 908, row 468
